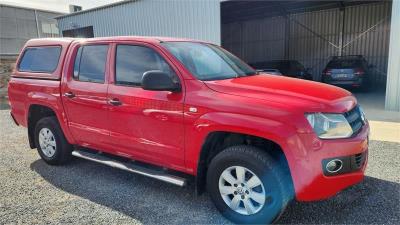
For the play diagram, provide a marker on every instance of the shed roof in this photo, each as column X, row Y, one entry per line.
column 97, row 8
column 29, row 8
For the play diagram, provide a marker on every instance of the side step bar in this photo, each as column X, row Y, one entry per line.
column 130, row 167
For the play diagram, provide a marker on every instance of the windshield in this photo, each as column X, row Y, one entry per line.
column 208, row 62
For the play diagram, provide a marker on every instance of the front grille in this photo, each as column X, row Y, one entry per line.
column 355, row 120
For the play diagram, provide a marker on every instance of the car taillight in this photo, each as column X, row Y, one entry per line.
column 359, row 72
column 327, row 72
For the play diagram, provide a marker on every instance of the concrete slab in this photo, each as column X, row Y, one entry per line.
column 373, row 104
column 385, row 125
column 385, row 131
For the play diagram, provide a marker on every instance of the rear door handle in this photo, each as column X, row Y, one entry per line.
column 69, row 94
column 115, row 102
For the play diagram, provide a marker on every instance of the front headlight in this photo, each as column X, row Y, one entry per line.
column 329, row 125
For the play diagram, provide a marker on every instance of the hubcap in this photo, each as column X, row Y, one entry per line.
column 47, row 142
column 242, row 190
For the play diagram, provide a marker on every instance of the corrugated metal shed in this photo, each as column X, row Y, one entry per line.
column 17, row 25
column 367, row 32
column 178, row 18
column 256, row 40
column 313, row 37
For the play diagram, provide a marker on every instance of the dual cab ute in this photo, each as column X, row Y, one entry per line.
column 182, row 110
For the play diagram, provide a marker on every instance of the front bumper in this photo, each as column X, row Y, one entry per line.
column 310, row 181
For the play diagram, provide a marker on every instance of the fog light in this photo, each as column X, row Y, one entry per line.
column 334, row 166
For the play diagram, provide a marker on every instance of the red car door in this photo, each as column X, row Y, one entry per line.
column 146, row 125
column 84, row 93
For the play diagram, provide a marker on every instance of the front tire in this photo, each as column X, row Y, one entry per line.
column 247, row 185
column 51, row 143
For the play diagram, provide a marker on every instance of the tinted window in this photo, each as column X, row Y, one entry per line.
column 90, row 63
column 272, row 65
column 282, row 65
column 295, row 65
column 40, row 59
column 77, row 62
column 132, row 61
column 345, row 63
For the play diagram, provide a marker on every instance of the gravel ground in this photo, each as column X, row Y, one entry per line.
column 83, row 192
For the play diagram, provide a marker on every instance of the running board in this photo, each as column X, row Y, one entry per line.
column 130, row 167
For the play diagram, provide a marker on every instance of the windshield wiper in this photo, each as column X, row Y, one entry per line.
column 247, row 74
column 253, row 74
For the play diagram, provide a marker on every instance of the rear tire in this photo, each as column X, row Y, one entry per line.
column 263, row 176
column 51, row 143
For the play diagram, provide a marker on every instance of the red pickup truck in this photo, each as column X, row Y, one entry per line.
column 184, row 111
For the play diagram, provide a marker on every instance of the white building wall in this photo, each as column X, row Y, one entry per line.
column 393, row 79
column 197, row 19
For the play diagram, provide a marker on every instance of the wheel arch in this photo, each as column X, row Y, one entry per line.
column 37, row 111
column 217, row 141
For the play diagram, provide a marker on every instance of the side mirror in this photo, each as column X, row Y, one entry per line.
column 156, row 80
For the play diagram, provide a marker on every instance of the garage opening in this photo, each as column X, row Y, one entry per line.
column 311, row 33
column 83, row 32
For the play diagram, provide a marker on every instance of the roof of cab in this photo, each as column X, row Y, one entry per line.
column 63, row 41
column 49, row 41
column 142, row 38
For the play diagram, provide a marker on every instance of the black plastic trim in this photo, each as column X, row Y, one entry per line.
column 351, row 163
column 13, row 118
column 35, row 78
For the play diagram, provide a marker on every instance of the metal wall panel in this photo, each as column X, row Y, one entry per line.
column 315, row 36
column 256, row 40
column 367, row 32
column 17, row 25
column 393, row 83
column 178, row 18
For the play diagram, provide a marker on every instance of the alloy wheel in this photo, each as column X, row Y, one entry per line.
column 242, row 190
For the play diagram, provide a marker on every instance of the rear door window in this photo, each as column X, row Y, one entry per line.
column 40, row 59
column 90, row 63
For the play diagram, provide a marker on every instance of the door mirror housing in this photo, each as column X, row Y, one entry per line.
column 156, row 80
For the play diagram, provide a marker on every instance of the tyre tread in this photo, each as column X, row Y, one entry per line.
column 65, row 148
column 268, row 161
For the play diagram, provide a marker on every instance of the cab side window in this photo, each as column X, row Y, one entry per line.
column 90, row 63
column 132, row 61
column 40, row 59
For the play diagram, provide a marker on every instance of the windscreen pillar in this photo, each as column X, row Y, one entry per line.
column 393, row 76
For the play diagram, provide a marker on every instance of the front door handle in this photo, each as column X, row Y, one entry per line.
column 69, row 94
column 115, row 102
